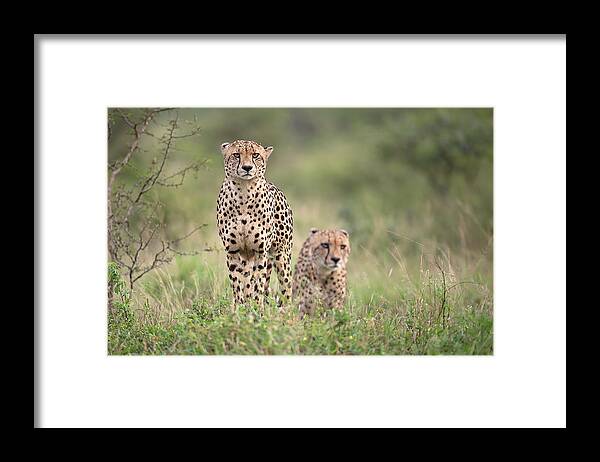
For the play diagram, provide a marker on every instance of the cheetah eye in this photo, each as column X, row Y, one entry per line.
column 325, row 245
column 236, row 154
column 342, row 246
column 255, row 155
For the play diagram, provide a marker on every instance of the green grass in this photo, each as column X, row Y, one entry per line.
column 171, row 317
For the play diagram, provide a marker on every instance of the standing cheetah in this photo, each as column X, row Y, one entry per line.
column 320, row 275
column 255, row 224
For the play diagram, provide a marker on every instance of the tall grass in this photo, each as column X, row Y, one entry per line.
column 186, row 309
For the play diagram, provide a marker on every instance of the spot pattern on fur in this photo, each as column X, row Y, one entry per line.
column 255, row 224
column 320, row 273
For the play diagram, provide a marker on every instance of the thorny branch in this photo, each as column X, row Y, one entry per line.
column 136, row 228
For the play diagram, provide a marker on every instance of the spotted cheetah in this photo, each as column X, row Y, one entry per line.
column 320, row 275
column 255, row 224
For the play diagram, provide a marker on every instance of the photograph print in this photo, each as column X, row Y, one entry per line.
column 300, row 231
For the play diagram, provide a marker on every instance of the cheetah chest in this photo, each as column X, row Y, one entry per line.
column 249, row 223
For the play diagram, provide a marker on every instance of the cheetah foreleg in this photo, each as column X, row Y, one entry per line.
column 235, row 265
column 259, row 279
column 283, row 266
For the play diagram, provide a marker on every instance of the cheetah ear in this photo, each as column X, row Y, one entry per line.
column 224, row 146
column 345, row 232
column 313, row 230
column 269, row 150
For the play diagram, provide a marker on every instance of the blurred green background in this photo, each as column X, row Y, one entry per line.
column 406, row 183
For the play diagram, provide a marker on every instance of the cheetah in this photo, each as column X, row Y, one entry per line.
column 255, row 224
column 320, row 274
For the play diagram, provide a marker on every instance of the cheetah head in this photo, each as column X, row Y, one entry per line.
column 245, row 160
column 330, row 248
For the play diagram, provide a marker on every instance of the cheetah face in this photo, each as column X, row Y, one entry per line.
column 330, row 249
column 245, row 160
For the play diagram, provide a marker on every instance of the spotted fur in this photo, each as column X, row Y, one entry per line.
column 320, row 274
column 255, row 224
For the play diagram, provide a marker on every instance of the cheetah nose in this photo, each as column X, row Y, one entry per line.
column 247, row 167
column 335, row 259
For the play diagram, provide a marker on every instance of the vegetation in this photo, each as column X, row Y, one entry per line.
column 412, row 186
